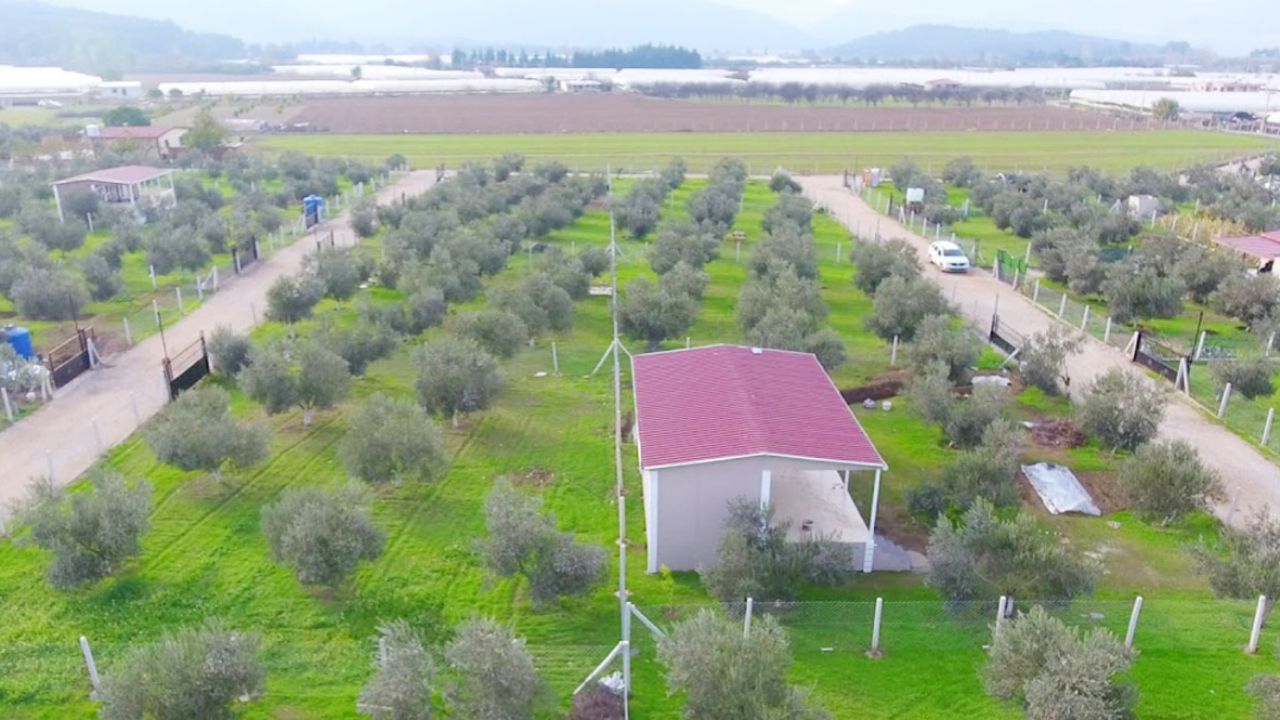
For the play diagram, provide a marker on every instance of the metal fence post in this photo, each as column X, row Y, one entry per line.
column 875, row 627
column 1256, row 632
column 1222, row 404
column 1133, row 621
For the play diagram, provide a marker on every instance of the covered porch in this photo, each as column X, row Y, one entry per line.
column 816, row 505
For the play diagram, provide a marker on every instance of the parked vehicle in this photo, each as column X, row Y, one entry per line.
column 948, row 256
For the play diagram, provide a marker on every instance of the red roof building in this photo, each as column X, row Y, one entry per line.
column 157, row 140
column 719, row 423
column 1262, row 248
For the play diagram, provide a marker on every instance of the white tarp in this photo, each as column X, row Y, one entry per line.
column 1059, row 489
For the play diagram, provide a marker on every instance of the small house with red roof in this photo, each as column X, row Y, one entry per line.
column 1262, row 249
column 723, row 422
column 158, row 141
column 138, row 186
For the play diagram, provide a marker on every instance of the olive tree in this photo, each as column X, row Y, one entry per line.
column 1249, row 376
column 652, row 313
column 103, row 280
column 89, row 533
column 404, row 679
column 1166, row 480
column 1246, row 561
column 268, row 378
column 1248, row 299
column 524, row 541
column 940, row 339
column 1265, row 690
column 682, row 242
column 290, row 299
column 1057, row 672
column 323, row 379
column 725, row 674
column 982, row 557
column 500, row 333
column 877, row 262
column 1044, row 359
column 970, row 417
column 336, row 271
column 455, row 376
column 493, row 676
column 1121, row 409
column 901, row 305
column 48, row 294
column 192, row 673
column 322, row 535
column 197, row 432
column 684, row 279
column 229, row 350
column 392, row 440
column 538, row 302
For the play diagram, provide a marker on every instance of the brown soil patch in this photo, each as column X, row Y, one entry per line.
column 881, row 387
column 631, row 112
column 537, row 477
column 628, row 420
column 1060, row 433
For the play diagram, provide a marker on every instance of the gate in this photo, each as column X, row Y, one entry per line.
column 1158, row 357
column 1006, row 268
column 186, row 368
column 1003, row 336
column 71, row 358
column 244, row 257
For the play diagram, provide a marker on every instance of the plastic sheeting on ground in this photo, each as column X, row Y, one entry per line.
column 1059, row 489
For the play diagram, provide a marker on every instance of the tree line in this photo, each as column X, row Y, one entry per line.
column 640, row 56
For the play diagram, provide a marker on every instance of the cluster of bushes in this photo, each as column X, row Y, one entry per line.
column 780, row 305
column 906, row 174
column 640, row 210
column 715, row 206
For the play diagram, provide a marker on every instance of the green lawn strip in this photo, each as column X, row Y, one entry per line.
column 814, row 152
column 206, row 557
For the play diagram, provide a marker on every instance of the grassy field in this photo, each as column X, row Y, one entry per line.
column 205, row 555
column 805, row 153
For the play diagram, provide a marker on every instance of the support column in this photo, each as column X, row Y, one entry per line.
column 651, row 518
column 869, row 556
column 766, row 486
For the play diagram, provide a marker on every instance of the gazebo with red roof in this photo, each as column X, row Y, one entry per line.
column 723, row 422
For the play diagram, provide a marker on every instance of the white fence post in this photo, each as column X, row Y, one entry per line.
column 89, row 663
column 875, row 627
column 746, row 619
column 1035, row 294
column 178, row 293
column 1106, row 334
column 1222, row 404
column 893, row 354
column 1256, row 632
column 1062, row 306
column 128, row 333
column 1200, row 345
column 1084, row 323
column 555, row 359
column 1133, row 621
column 8, row 407
column 1000, row 612
column 151, row 270
column 155, row 311
column 1271, row 340
column 1266, row 429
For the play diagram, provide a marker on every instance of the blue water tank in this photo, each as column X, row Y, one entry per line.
column 20, row 339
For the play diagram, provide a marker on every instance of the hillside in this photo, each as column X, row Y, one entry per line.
column 973, row 46
column 103, row 43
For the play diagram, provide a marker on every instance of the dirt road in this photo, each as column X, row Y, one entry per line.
column 1252, row 481
column 104, row 406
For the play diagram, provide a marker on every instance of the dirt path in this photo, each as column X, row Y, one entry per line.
column 97, row 410
column 1252, row 481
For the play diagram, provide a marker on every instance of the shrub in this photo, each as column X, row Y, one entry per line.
column 650, row 312
column 930, row 393
column 403, row 682
column 323, row 379
column 359, row 344
column 364, row 219
column 336, row 271
column 1044, row 359
column 538, row 301
column 1250, row 377
column 455, row 376
column 983, row 557
column 1058, row 673
column 1203, row 270
column 939, row 340
column 877, row 262
column 971, row 416
column 677, row 242
column 594, row 260
column 1141, row 293
column 499, row 333
column 1121, row 409
column 1265, row 690
column 193, row 673
column 494, row 675
column 197, row 432
column 782, row 182
column 596, row 703
column 684, row 279
column 89, row 533
column 901, row 305
column 1246, row 561
column 1248, row 299
column 755, row 559
column 229, row 350
column 322, row 535
column 725, row 674
column 987, row 471
column 522, row 540
column 169, row 248
column 268, row 379
column 961, row 172
column 391, row 440
column 48, row 294
column 640, row 210
column 1166, row 480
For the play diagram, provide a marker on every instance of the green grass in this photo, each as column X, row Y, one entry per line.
column 205, row 555
column 798, row 152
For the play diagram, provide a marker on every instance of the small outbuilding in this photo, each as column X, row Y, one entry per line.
column 1261, row 249
column 160, row 142
column 1142, row 206
column 724, row 422
column 135, row 185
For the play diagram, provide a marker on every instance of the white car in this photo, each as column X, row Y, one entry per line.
column 948, row 256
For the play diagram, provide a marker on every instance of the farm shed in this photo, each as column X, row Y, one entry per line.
column 1261, row 249
column 160, row 141
column 722, row 422
column 1141, row 206
column 130, row 184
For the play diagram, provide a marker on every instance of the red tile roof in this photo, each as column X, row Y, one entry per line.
column 1265, row 246
column 726, row 401
column 144, row 132
column 125, row 175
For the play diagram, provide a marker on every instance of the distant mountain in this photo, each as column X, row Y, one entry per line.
column 972, row 46
column 702, row 24
column 38, row 34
